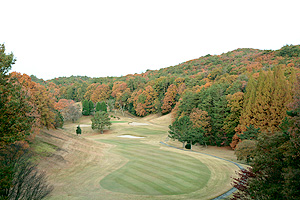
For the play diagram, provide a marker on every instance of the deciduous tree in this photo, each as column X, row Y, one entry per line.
column 100, row 121
column 169, row 100
column 101, row 93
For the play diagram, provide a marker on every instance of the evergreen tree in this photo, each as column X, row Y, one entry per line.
column 78, row 130
column 85, row 107
column 98, row 106
column 251, row 133
column 179, row 130
column 59, row 120
column 91, row 107
column 103, row 106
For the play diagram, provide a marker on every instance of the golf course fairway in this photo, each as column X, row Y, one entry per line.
column 152, row 171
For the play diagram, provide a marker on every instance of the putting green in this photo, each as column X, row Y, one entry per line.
column 152, row 171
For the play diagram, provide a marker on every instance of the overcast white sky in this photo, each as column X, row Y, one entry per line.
column 98, row 38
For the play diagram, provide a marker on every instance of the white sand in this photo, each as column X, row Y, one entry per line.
column 85, row 125
column 129, row 136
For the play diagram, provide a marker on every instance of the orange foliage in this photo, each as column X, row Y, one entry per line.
column 200, row 119
column 63, row 103
column 119, row 87
column 170, row 99
column 101, row 93
column 40, row 99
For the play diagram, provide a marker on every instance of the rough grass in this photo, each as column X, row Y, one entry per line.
column 152, row 171
column 104, row 166
column 43, row 148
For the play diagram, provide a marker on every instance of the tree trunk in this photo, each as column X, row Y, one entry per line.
column 183, row 144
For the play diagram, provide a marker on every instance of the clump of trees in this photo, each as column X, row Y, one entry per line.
column 236, row 89
column 25, row 107
column 275, row 165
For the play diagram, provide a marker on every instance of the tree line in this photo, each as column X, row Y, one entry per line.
column 214, row 100
column 212, row 89
column 25, row 107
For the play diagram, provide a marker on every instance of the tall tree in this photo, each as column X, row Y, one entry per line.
column 235, row 103
column 101, row 106
column 179, row 130
column 169, row 100
column 16, row 110
column 100, row 121
column 85, row 107
column 101, row 93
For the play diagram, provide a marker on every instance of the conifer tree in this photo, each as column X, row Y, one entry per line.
column 78, row 130
column 91, row 107
column 282, row 96
column 101, row 106
column 247, row 114
column 98, row 106
column 85, row 107
column 263, row 100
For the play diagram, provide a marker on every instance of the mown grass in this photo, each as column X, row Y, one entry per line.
column 143, row 131
column 152, row 171
column 117, row 122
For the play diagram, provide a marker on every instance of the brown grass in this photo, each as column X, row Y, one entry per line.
column 79, row 163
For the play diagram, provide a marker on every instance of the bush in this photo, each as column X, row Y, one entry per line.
column 188, row 146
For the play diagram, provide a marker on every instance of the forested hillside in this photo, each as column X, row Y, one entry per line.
column 246, row 98
column 226, row 92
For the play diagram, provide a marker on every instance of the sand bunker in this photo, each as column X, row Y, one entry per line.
column 85, row 125
column 129, row 136
column 138, row 124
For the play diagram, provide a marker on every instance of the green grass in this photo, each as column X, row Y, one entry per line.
column 117, row 122
column 144, row 131
column 152, row 171
column 43, row 148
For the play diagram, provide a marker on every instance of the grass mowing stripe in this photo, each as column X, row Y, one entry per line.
column 179, row 159
column 135, row 183
column 183, row 168
column 155, row 185
column 175, row 174
column 127, row 185
column 177, row 185
column 154, row 170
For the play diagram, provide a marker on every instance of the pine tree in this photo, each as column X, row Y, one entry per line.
column 101, row 106
column 78, row 130
column 91, row 107
column 85, row 107
column 98, row 106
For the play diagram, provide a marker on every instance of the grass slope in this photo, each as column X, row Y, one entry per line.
column 152, row 171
